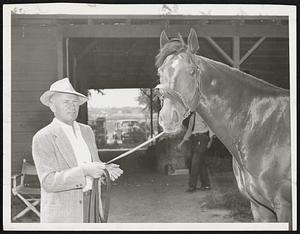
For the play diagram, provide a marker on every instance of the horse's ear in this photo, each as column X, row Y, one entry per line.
column 163, row 39
column 193, row 43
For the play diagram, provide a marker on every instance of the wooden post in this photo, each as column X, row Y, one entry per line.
column 74, row 73
column 253, row 48
column 67, row 57
column 236, row 52
column 151, row 112
column 158, row 127
column 60, row 53
column 219, row 49
column 81, row 87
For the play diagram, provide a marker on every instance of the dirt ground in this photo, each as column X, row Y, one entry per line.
column 147, row 196
column 152, row 197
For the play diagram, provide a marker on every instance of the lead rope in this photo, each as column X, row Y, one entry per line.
column 100, row 199
column 105, row 201
column 248, row 193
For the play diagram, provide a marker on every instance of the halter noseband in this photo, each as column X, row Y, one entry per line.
column 174, row 95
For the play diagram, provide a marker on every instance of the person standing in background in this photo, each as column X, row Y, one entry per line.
column 200, row 137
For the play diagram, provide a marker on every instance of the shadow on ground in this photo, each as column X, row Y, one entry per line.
column 141, row 196
column 151, row 197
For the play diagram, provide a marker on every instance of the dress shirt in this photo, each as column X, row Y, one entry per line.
column 80, row 148
column 201, row 126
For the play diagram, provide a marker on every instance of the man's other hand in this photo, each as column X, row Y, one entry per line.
column 93, row 169
column 179, row 147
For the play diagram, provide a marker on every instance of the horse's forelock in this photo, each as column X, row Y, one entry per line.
column 171, row 47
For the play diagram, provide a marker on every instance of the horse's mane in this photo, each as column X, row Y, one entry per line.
column 172, row 47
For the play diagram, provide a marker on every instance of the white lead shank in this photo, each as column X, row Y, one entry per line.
column 136, row 148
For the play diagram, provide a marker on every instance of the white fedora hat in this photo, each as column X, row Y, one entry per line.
column 61, row 86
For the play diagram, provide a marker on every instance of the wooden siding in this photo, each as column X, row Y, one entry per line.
column 33, row 69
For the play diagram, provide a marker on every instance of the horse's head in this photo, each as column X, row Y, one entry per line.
column 178, row 80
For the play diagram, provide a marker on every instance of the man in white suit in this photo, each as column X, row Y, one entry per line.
column 66, row 158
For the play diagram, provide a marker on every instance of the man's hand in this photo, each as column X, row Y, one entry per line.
column 93, row 169
column 210, row 141
column 114, row 171
column 179, row 147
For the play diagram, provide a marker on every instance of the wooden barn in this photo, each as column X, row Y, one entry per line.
column 114, row 51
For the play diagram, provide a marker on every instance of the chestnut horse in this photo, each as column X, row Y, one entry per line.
column 250, row 116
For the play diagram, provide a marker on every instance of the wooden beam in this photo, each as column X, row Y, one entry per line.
column 253, row 48
column 175, row 17
column 120, row 86
column 153, row 31
column 219, row 49
column 263, row 31
column 107, row 84
column 236, row 52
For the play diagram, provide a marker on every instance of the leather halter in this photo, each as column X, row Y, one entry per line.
column 105, row 201
column 172, row 94
column 100, row 199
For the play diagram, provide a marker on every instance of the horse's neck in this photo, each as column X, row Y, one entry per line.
column 226, row 96
column 223, row 71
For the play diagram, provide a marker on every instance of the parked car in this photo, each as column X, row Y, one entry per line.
column 129, row 131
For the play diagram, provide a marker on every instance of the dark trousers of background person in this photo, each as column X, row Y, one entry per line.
column 196, row 161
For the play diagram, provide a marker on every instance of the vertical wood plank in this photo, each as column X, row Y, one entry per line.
column 236, row 52
column 59, row 51
column 67, row 57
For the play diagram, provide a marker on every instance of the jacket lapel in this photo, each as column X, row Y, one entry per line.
column 64, row 145
column 86, row 135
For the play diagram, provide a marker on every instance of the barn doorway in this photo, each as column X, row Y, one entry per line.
column 116, row 65
column 122, row 118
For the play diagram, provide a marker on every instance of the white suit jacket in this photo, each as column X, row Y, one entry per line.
column 60, row 177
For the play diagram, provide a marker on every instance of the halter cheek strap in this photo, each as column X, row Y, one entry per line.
column 173, row 95
column 194, row 104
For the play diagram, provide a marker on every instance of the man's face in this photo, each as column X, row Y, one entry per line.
column 65, row 107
